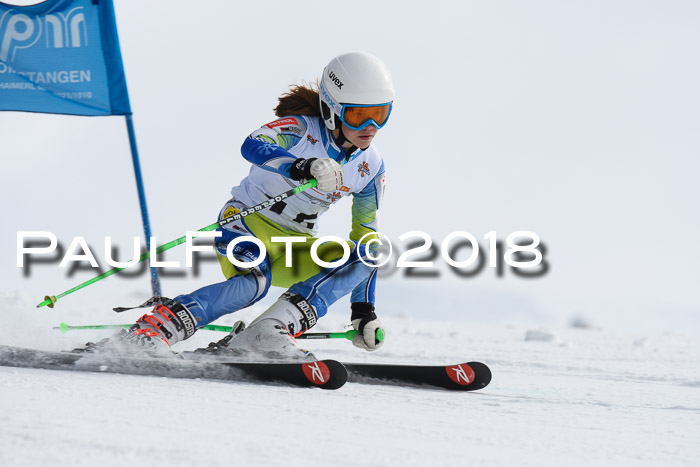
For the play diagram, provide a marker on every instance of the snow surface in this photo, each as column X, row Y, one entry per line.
column 559, row 396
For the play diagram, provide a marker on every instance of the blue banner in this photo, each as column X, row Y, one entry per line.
column 62, row 56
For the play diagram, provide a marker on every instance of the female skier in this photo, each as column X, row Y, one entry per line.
column 324, row 134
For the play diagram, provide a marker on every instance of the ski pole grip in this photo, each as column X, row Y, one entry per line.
column 379, row 335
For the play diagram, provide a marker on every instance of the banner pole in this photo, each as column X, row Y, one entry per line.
column 155, row 280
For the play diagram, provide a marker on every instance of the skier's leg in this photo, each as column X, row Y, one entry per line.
column 298, row 309
column 328, row 285
column 268, row 336
column 242, row 288
column 172, row 321
column 313, row 290
column 216, row 300
column 292, row 314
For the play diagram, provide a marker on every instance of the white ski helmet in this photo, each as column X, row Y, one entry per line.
column 355, row 78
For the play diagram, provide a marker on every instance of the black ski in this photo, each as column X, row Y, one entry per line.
column 325, row 374
column 462, row 377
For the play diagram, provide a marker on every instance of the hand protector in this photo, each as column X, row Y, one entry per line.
column 365, row 321
column 327, row 172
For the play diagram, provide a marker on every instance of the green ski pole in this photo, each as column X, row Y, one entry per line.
column 50, row 300
column 64, row 328
column 339, row 335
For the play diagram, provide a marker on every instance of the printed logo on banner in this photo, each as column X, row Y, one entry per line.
column 61, row 59
column 22, row 31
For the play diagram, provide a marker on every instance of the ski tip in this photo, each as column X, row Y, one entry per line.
column 326, row 374
column 482, row 375
column 468, row 376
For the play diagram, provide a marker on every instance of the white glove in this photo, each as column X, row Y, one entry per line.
column 328, row 174
column 366, row 323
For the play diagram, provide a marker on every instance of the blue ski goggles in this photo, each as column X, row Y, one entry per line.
column 359, row 116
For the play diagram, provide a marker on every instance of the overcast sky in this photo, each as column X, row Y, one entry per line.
column 576, row 120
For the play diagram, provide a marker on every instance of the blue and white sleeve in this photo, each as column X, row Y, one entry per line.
column 269, row 146
column 364, row 291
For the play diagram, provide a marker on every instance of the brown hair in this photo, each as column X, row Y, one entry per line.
column 300, row 100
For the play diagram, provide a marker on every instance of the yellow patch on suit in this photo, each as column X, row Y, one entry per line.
column 303, row 266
